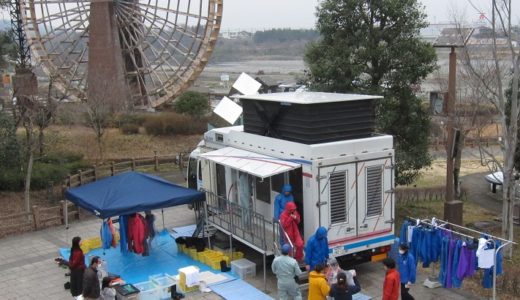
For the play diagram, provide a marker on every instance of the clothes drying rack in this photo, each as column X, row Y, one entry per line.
column 456, row 229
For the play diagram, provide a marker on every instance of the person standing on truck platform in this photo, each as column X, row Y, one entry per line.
column 289, row 220
column 317, row 249
column 286, row 269
column 281, row 201
column 407, row 271
column 391, row 284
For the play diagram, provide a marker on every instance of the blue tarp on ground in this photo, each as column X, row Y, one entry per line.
column 134, row 268
column 130, row 192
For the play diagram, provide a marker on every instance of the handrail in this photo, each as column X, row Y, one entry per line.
column 238, row 220
column 288, row 239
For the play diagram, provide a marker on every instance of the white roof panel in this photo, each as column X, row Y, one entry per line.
column 308, row 97
column 246, row 84
column 228, row 110
column 258, row 165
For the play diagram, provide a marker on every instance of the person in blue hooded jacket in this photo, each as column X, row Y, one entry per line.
column 317, row 249
column 281, row 200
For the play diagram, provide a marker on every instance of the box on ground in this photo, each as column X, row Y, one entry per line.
column 243, row 268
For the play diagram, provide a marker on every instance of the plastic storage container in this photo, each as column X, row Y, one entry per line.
column 148, row 290
column 243, row 268
column 164, row 282
column 126, row 292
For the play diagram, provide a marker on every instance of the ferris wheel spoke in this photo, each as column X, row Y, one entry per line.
column 130, row 48
column 172, row 26
column 78, row 32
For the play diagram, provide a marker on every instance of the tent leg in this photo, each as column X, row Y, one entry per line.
column 162, row 212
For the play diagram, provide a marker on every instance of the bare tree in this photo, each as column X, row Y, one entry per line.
column 99, row 111
column 45, row 113
column 490, row 79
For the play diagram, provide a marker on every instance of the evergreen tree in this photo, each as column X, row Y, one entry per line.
column 373, row 46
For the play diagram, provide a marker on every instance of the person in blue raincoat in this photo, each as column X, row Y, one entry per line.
column 281, row 200
column 317, row 249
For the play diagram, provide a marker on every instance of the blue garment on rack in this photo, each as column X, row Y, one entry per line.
column 449, row 274
column 123, row 230
column 487, row 280
column 435, row 245
column 106, row 235
column 467, row 260
column 443, row 260
column 403, row 234
column 417, row 243
column 455, row 280
column 425, row 248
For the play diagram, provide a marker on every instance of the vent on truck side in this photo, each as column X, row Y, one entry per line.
column 374, row 190
column 338, row 197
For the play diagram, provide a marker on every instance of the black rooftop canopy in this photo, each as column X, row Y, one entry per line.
column 309, row 117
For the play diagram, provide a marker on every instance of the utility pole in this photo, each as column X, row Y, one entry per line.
column 452, row 208
column 452, row 38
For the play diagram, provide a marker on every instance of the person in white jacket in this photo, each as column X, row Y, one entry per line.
column 286, row 269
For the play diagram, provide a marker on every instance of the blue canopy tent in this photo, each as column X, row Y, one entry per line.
column 130, row 192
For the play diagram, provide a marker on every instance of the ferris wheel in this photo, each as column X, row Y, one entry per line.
column 152, row 49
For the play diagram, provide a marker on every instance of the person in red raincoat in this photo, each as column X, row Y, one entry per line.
column 289, row 219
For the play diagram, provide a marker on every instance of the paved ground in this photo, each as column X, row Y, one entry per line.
column 29, row 272
column 27, row 269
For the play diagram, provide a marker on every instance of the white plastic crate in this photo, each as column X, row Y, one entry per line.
column 243, row 268
column 164, row 282
column 148, row 290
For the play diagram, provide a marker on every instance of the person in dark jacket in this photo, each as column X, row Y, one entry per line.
column 91, row 286
column 77, row 267
column 341, row 290
column 407, row 271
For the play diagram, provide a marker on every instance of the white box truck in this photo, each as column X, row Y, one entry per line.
column 323, row 144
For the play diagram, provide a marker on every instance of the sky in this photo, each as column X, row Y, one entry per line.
column 260, row 14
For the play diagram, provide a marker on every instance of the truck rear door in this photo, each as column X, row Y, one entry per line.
column 374, row 181
column 337, row 186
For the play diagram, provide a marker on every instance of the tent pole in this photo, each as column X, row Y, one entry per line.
column 162, row 212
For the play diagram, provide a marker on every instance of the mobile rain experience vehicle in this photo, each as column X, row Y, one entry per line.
column 324, row 145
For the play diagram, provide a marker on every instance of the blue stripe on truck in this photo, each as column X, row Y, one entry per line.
column 367, row 242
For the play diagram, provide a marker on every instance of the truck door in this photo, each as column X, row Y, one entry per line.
column 374, row 180
column 338, row 201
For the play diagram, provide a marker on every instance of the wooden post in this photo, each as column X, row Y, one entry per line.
column 80, row 177
column 156, row 161
column 133, row 164
column 95, row 173
column 68, row 180
column 112, row 168
column 36, row 217
column 63, row 211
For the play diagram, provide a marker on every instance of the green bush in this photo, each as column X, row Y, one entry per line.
column 129, row 129
column 192, row 103
column 44, row 173
column 11, row 180
column 129, row 119
column 172, row 124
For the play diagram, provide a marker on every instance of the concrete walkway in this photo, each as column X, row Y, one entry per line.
column 28, row 271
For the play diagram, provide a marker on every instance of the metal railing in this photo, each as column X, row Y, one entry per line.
column 277, row 237
column 241, row 222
